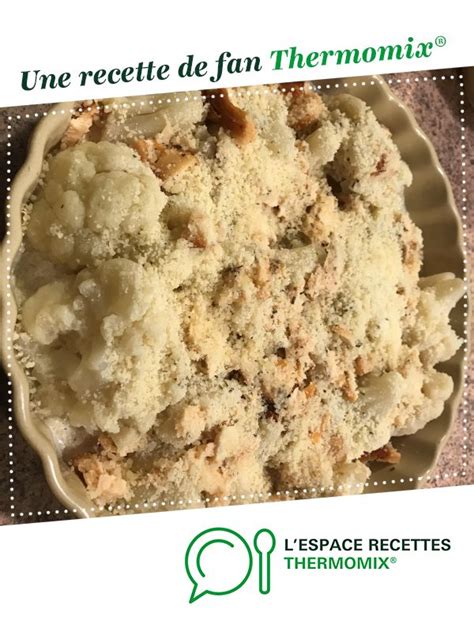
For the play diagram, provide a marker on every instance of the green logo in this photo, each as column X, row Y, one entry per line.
column 219, row 561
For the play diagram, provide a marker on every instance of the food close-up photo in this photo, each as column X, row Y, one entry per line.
column 235, row 295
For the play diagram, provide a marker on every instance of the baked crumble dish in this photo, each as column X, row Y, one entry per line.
column 221, row 296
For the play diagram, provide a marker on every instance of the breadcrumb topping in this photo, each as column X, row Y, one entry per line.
column 223, row 297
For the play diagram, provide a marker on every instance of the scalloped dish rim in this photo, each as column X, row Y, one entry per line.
column 65, row 485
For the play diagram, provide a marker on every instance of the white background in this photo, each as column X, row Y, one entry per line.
column 65, row 36
column 128, row 573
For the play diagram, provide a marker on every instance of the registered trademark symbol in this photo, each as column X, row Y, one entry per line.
column 440, row 41
column 393, row 560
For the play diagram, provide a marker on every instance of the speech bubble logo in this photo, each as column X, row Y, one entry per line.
column 218, row 561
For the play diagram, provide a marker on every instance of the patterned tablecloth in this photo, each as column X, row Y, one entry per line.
column 435, row 99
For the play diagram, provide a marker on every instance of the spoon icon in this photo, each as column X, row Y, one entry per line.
column 264, row 543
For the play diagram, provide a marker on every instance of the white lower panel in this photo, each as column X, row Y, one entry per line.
column 128, row 573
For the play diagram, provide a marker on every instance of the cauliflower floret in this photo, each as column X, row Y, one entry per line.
column 351, row 476
column 120, row 324
column 432, row 331
column 367, row 163
column 428, row 392
column 49, row 312
column 327, row 138
column 165, row 116
column 98, row 199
